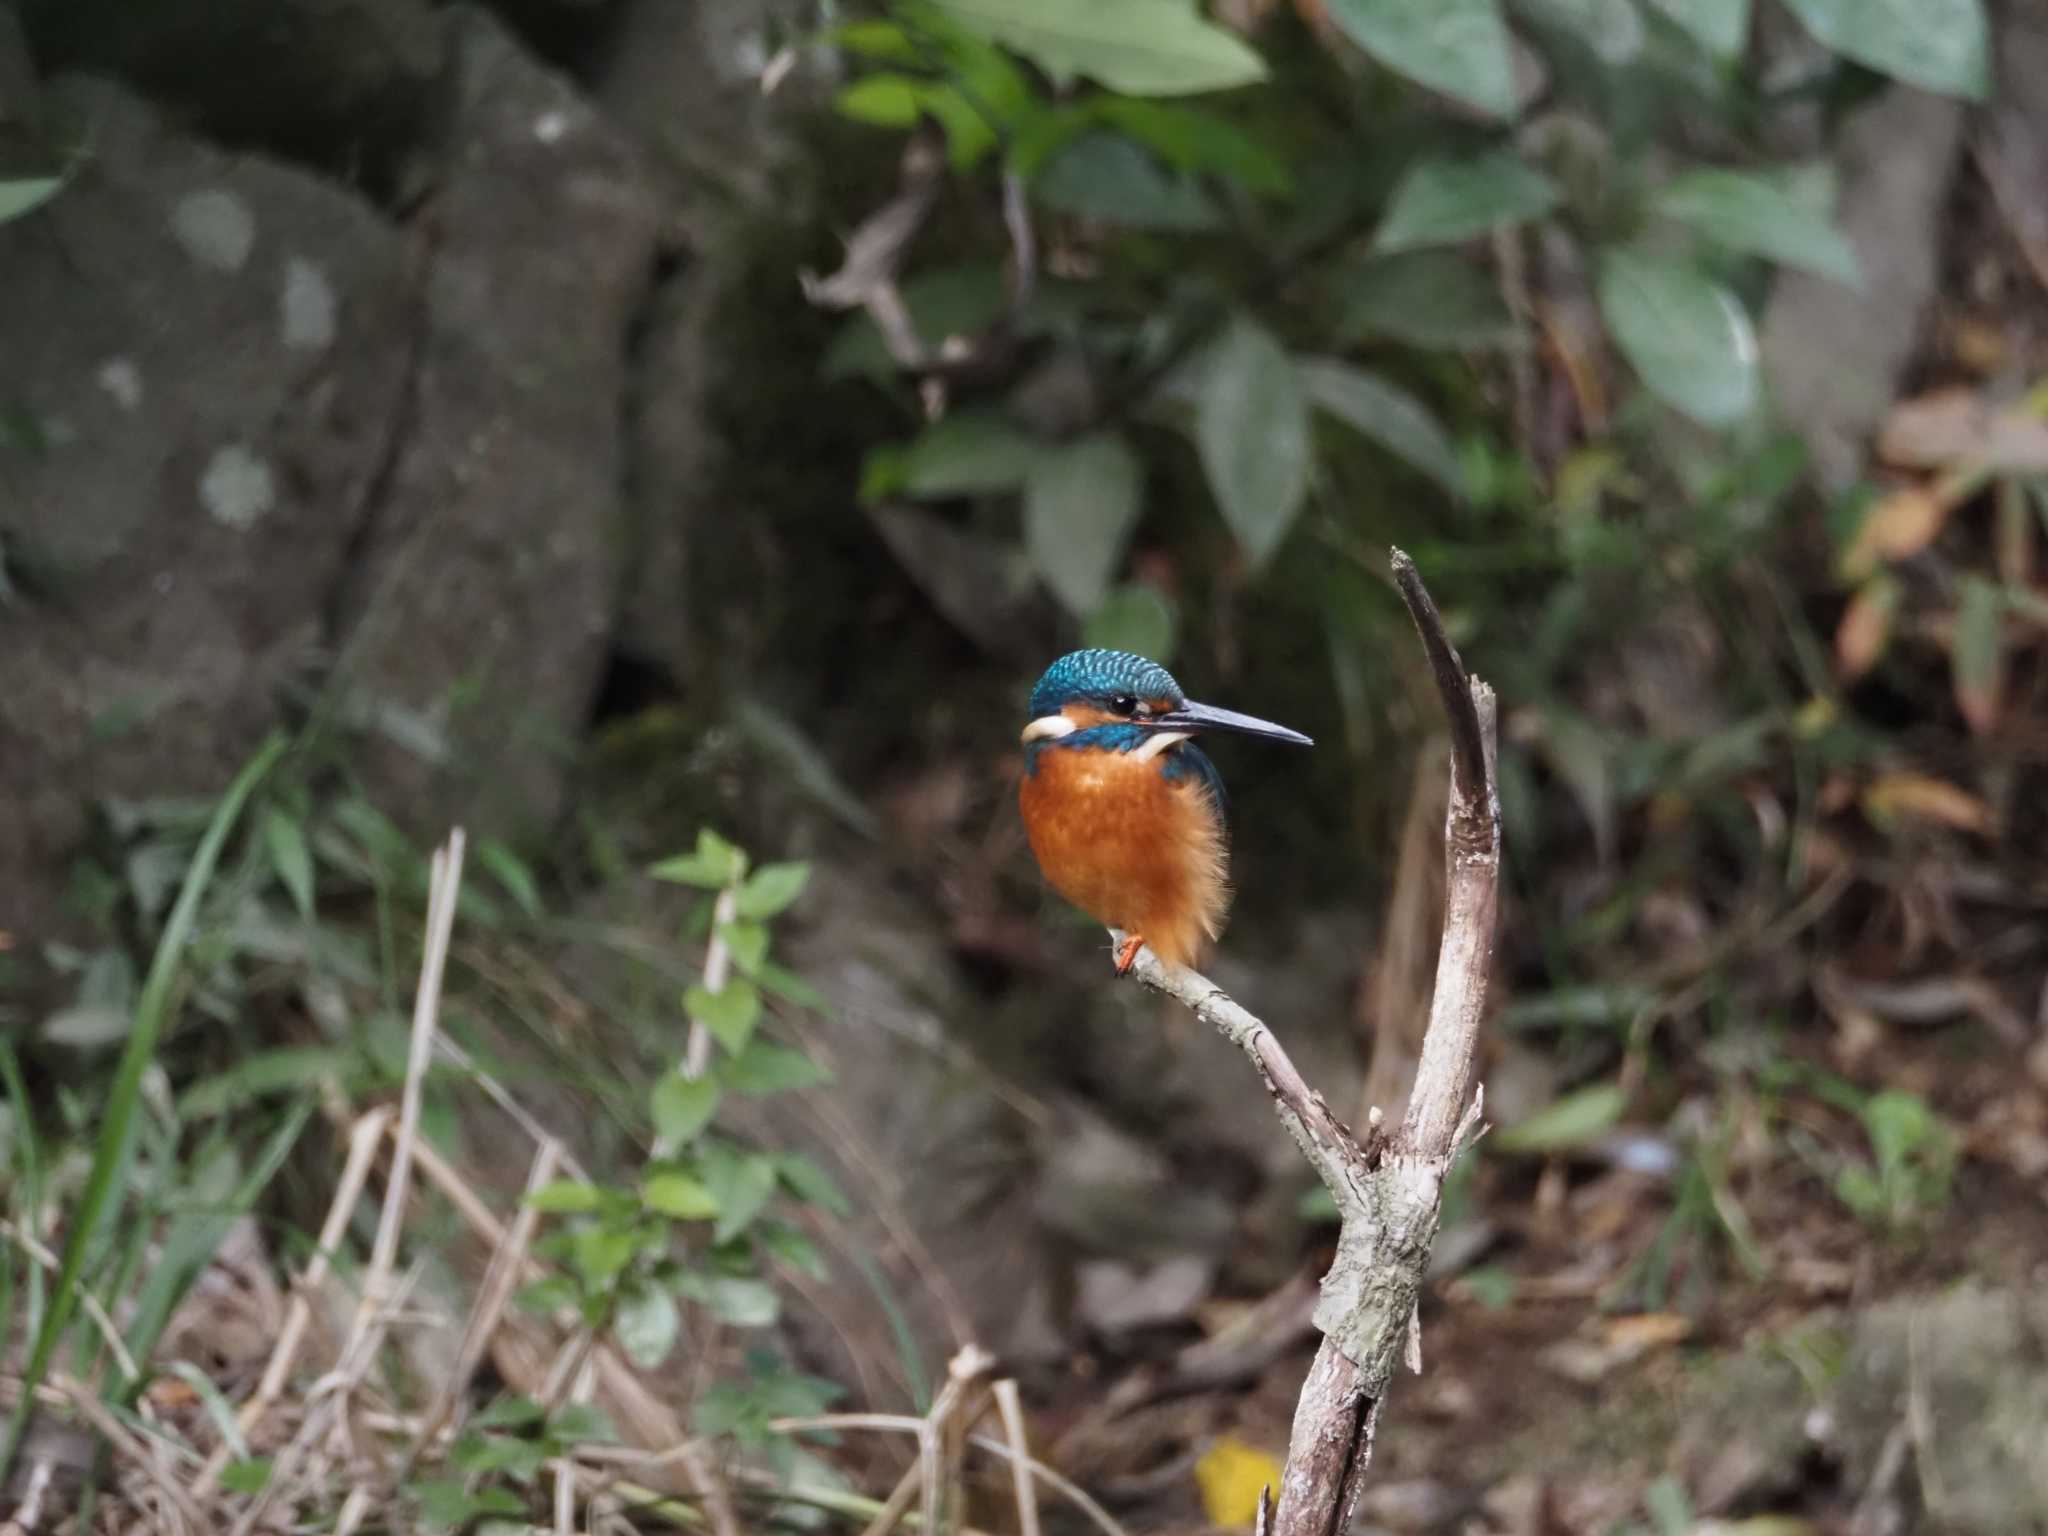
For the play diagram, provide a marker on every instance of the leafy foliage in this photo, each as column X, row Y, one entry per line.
column 1351, row 247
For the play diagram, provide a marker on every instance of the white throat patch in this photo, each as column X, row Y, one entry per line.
column 1045, row 727
column 1154, row 745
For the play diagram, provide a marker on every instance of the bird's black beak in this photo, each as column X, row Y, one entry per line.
column 1194, row 717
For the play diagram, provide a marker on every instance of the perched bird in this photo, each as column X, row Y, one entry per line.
column 1124, row 812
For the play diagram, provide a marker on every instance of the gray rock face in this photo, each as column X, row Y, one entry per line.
column 253, row 427
column 505, row 497
column 1833, row 354
column 205, row 357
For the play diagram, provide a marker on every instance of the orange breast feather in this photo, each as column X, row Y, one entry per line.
column 1128, row 846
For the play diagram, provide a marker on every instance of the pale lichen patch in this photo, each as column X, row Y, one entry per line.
column 122, row 380
column 237, row 487
column 307, row 307
column 216, row 228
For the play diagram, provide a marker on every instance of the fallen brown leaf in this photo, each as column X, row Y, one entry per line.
column 1958, row 425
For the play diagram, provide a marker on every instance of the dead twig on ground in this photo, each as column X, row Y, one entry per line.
column 1388, row 1191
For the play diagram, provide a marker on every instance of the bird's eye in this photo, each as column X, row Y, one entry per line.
column 1123, row 704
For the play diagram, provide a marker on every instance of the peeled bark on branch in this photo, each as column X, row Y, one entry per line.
column 1389, row 1190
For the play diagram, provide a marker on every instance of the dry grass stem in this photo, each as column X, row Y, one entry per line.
column 86, row 1401
column 88, row 1303
column 363, row 1137
column 717, row 971
column 903, row 1423
column 324, row 1403
column 1010, row 1406
column 501, row 1278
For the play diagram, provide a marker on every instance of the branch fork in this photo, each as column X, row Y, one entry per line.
column 1388, row 1190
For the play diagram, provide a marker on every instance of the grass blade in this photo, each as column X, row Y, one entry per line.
column 118, row 1125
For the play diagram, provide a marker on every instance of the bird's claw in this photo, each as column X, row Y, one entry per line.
column 1127, row 953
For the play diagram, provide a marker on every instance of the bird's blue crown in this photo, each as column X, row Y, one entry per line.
column 1098, row 676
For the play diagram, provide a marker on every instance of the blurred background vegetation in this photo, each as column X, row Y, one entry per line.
column 667, row 437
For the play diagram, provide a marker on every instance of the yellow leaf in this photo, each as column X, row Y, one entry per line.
column 1917, row 797
column 1866, row 625
column 1896, row 526
column 1232, row 1475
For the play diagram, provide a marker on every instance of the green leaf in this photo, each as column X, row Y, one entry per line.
column 1939, row 45
column 1687, row 336
column 27, row 194
column 1387, row 414
column 510, row 871
column 763, row 1068
column 646, row 1325
column 966, row 453
column 1427, row 299
column 682, row 1106
column 1080, row 505
column 729, row 1013
column 1612, row 29
column 812, row 1184
column 266, row 1072
column 567, row 1196
column 1977, row 654
column 1138, row 47
column 786, row 1245
column 676, row 1194
column 249, row 1475
column 1571, row 1121
column 1719, row 26
column 1189, row 139
column 772, row 888
column 582, row 1424
column 742, row 1184
column 1755, row 214
column 1443, row 201
column 881, row 40
column 1251, row 428
column 1459, row 47
column 1107, row 178
column 1138, row 618
column 87, row 1026
column 715, row 864
column 285, row 840
column 600, row 1253
column 509, row 1410
column 884, row 100
column 748, row 943
column 447, row 1502
column 735, row 1299
column 792, row 988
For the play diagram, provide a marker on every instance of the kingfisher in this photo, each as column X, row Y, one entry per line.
column 1124, row 812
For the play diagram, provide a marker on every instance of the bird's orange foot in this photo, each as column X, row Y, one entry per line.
column 1127, row 953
